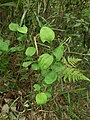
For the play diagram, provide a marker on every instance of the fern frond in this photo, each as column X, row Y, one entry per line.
column 73, row 61
column 72, row 74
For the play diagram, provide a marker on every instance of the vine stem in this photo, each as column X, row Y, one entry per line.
column 35, row 42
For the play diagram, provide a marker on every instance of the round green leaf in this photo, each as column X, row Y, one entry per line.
column 50, row 77
column 58, row 67
column 45, row 61
column 45, row 84
column 30, row 51
column 23, row 29
column 41, row 98
column 35, row 66
column 47, row 34
column 13, row 26
column 3, row 46
column 44, row 72
column 26, row 64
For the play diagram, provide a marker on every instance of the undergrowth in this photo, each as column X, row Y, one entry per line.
column 44, row 60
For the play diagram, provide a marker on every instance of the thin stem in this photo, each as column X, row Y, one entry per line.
column 78, row 53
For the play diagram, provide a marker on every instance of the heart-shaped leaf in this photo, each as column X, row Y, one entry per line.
column 23, row 29
column 47, row 34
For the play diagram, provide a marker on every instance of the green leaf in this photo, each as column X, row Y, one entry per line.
column 3, row 46
column 37, row 87
column 17, row 48
column 24, row 76
column 45, row 84
column 73, row 61
column 48, row 94
column 26, row 64
column 47, row 34
column 41, row 98
column 21, row 37
column 44, row 72
column 7, row 42
column 23, row 29
column 35, row 66
column 58, row 67
column 58, row 52
column 30, row 51
column 13, row 26
column 45, row 61
column 9, row 4
column 28, row 58
column 50, row 77
column 77, row 24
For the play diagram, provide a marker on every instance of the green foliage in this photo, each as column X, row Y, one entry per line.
column 85, row 11
column 70, row 73
column 45, row 61
column 21, row 37
column 30, row 51
column 3, row 63
column 73, row 61
column 53, row 67
column 58, row 52
column 26, row 64
column 22, row 29
column 8, row 4
column 15, row 27
column 47, row 34
column 17, row 48
column 4, row 45
column 58, row 66
column 35, row 66
column 37, row 87
column 47, row 68
column 41, row 98
column 48, row 94
column 50, row 77
column 4, row 49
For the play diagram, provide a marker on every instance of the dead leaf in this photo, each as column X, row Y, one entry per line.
column 5, row 108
